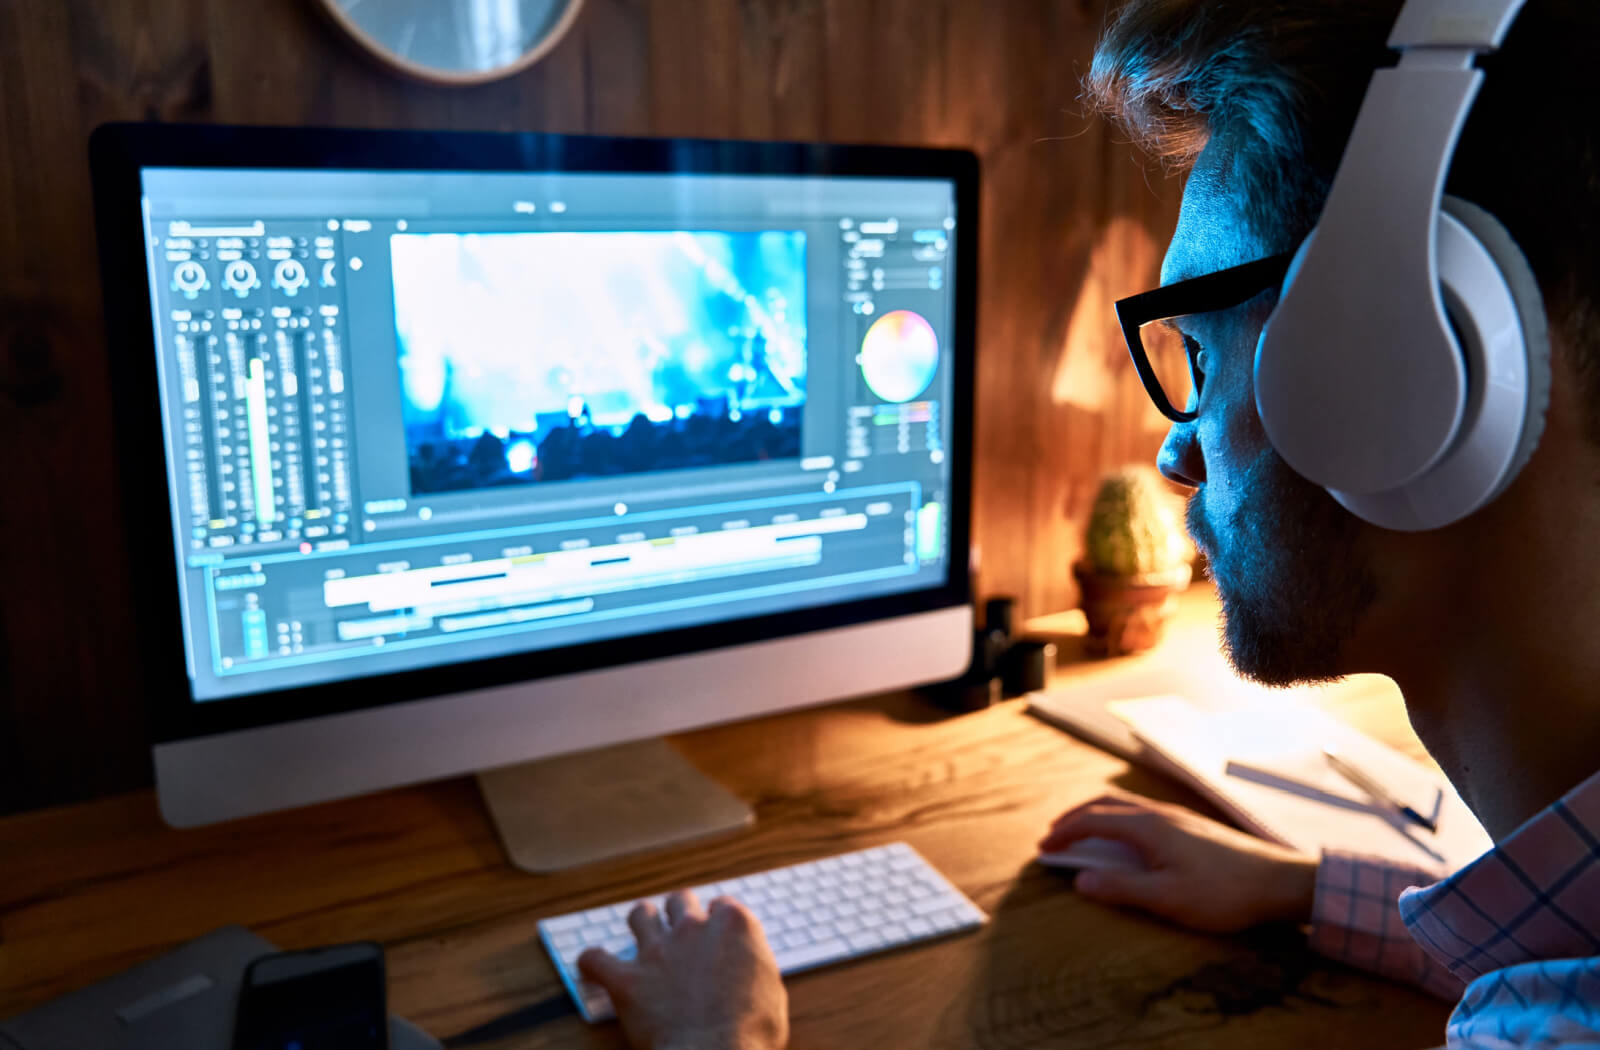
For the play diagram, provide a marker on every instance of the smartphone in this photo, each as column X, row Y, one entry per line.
column 330, row 998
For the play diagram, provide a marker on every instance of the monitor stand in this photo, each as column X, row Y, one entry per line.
column 571, row 810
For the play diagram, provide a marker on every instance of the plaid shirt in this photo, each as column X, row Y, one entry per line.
column 1519, row 927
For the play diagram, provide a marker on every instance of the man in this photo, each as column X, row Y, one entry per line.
column 1487, row 625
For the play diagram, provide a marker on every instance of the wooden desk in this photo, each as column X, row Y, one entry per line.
column 88, row 890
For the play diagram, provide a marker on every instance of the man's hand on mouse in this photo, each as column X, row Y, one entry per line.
column 1197, row 872
column 703, row 979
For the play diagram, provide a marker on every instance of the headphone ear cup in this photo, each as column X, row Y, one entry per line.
column 1534, row 322
column 1497, row 314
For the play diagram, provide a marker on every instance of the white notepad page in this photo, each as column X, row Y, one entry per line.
column 1312, row 807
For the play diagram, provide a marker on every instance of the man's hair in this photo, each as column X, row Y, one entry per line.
column 1276, row 85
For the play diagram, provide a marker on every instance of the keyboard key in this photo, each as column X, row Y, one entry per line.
column 811, row 954
column 865, row 941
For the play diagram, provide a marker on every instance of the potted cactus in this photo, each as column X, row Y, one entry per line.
column 1136, row 560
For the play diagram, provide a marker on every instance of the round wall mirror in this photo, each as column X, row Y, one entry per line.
column 455, row 41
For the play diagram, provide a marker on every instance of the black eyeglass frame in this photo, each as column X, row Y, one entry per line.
column 1197, row 295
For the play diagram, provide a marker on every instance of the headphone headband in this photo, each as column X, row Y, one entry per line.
column 1472, row 25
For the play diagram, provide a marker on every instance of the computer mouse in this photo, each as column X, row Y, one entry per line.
column 1095, row 853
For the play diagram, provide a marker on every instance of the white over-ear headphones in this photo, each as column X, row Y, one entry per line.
column 1406, row 367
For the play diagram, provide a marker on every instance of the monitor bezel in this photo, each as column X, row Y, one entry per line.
column 118, row 153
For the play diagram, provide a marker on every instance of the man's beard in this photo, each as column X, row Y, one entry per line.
column 1291, row 575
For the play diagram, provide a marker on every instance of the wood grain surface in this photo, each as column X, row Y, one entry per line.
column 88, row 890
column 1072, row 218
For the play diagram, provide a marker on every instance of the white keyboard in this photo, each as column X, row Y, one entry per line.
column 817, row 913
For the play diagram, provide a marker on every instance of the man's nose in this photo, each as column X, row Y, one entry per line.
column 1179, row 460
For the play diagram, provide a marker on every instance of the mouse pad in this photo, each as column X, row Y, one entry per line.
column 183, row 1000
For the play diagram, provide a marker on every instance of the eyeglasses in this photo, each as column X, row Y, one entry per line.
column 1164, row 356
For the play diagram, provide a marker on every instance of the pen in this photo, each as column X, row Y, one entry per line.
column 1372, row 787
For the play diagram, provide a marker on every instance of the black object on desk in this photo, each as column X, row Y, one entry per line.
column 1002, row 666
column 184, row 1000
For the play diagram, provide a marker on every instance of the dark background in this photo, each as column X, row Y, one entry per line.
column 1072, row 218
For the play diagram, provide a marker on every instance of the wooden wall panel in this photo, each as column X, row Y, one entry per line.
column 1071, row 218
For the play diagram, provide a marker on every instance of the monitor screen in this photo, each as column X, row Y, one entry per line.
column 419, row 417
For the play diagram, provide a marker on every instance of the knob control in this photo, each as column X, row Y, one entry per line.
column 290, row 276
column 240, row 278
column 189, row 278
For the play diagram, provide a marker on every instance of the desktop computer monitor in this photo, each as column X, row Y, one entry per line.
column 444, row 452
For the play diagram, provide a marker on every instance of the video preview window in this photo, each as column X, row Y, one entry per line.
column 528, row 358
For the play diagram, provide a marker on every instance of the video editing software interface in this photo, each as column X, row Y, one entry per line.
column 414, row 418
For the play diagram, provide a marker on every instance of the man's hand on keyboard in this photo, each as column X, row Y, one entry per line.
column 701, row 980
column 1198, row 873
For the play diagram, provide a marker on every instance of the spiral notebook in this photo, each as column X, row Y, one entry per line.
column 1290, row 794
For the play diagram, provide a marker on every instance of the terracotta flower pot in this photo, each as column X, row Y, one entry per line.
column 1128, row 614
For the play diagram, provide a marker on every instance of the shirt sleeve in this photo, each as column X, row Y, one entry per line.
column 1355, row 919
column 1548, row 1003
